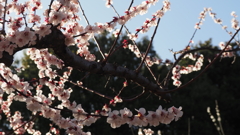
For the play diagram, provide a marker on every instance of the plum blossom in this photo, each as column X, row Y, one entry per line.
column 114, row 119
column 33, row 105
column 33, row 18
column 233, row 13
column 140, row 131
column 116, row 33
column 100, row 27
column 56, row 17
column 15, row 24
column 117, row 99
column 228, row 49
column 5, row 107
column 148, row 131
column 235, row 23
column 126, row 114
column 108, row 3
column 110, row 26
column 139, row 119
column 23, row 37
column 42, row 30
column 152, row 118
column 90, row 120
column 143, row 8
column 16, row 122
column 177, row 112
column 79, row 113
column 176, row 75
column 132, row 36
column 7, row 87
column 219, row 21
column 159, row 14
column 166, row 6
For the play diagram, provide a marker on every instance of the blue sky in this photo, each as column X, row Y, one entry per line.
column 176, row 27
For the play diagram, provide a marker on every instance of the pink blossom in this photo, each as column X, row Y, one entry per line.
column 152, row 118
column 114, row 119
column 79, row 113
column 42, row 30
column 126, row 114
column 159, row 14
column 33, row 105
column 34, row 18
column 108, row 3
column 90, row 120
column 148, row 131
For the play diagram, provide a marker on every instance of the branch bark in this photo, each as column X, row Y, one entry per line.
column 56, row 41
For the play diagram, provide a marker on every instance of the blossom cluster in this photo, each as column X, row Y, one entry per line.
column 228, row 52
column 44, row 60
column 149, row 61
column 178, row 70
column 22, row 90
column 234, row 21
column 150, row 22
column 146, row 131
column 40, row 104
column 203, row 15
column 153, row 118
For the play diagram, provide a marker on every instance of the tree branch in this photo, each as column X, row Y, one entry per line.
column 56, row 41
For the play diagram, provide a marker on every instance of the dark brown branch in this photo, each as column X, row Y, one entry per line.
column 56, row 41
column 49, row 9
column 4, row 16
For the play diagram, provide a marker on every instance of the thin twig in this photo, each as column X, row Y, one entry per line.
column 113, row 46
column 49, row 9
column 115, row 41
column 134, row 98
column 83, row 87
column 25, row 20
column 85, row 17
column 149, row 46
